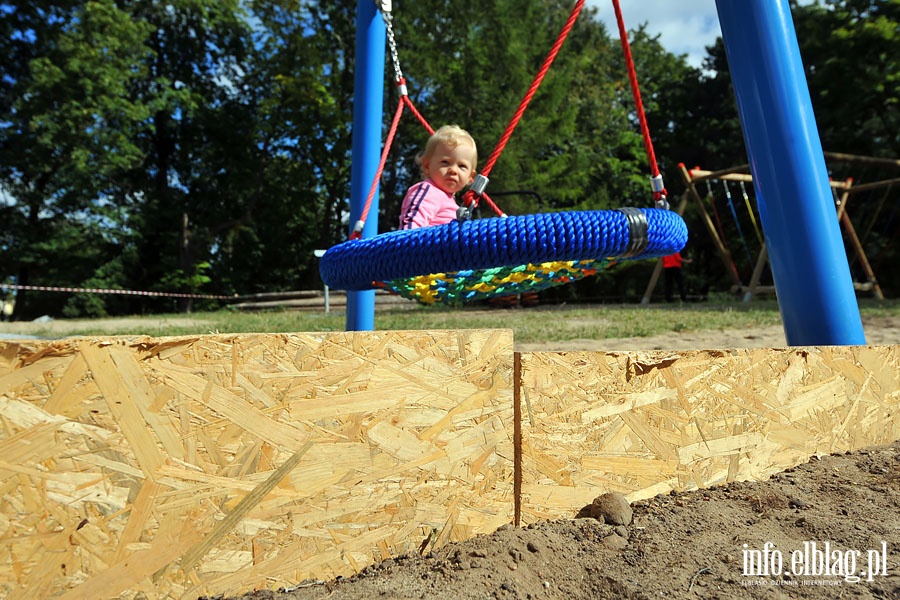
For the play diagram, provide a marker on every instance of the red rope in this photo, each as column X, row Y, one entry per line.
column 470, row 199
column 636, row 92
column 532, row 89
column 491, row 203
column 404, row 101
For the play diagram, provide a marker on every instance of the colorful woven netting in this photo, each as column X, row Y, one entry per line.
column 470, row 286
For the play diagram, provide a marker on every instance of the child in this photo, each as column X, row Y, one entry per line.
column 673, row 277
column 448, row 166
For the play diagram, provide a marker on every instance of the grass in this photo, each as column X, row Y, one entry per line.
column 531, row 325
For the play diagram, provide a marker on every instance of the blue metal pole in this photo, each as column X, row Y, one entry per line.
column 809, row 264
column 368, row 106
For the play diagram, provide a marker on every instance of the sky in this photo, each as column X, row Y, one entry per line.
column 684, row 26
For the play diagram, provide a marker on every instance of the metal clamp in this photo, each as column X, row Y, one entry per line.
column 637, row 231
column 659, row 192
column 480, row 184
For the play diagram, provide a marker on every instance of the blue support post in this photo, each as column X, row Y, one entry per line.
column 368, row 106
column 809, row 264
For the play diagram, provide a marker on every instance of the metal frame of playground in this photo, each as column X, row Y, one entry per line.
column 812, row 277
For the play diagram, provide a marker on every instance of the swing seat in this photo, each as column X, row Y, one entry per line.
column 489, row 257
column 458, row 262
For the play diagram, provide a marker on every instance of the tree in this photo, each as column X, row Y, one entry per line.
column 67, row 125
column 205, row 146
column 851, row 51
column 194, row 51
column 298, row 89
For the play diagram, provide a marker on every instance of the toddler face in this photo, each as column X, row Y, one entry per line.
column 450, row 167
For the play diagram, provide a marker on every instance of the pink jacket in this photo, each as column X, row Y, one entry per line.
column 426, row 204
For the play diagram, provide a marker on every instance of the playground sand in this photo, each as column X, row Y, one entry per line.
column 696, row 544
column 686, row 545
column 880, row 331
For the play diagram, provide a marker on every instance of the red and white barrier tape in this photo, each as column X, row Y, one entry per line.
column 43, row 288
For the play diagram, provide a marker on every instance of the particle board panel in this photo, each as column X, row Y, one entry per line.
column 644, row 423
column 178, row 467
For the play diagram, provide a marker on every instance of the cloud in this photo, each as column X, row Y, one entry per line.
column 685, row 27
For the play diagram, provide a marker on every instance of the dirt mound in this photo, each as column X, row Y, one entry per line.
column 826, row 529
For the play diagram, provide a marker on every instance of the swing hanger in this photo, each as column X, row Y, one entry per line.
column 384, row 6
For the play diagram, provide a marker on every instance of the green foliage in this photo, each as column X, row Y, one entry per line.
column 472, row 65
column 851, row 52
column 85, row 305
column 67, row 130
column 111, row 275
column 205, row 145
column 187, row 283
column 851, row 49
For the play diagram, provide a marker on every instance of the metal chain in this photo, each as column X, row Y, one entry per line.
column 385, row 8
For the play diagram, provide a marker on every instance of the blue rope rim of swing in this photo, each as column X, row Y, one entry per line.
column 630, row 233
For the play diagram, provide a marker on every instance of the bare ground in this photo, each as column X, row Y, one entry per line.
column 67, row 327
column 837, row 518
column 880, row 331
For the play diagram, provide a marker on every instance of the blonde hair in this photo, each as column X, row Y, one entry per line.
column 452, row 136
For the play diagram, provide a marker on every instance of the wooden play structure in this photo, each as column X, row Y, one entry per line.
column 134, row 467
column 749, row 285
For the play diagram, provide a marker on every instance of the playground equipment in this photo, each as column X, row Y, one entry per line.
column 743, row 283
column 470, row 260
column 815, row 289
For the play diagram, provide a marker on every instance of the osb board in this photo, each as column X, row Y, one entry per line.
column 177, row 467
column 644, row 423
column 218, row 464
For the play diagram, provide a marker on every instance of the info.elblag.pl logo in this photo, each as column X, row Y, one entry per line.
column 816, row 559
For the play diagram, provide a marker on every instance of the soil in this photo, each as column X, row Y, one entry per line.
column 879, row 331
column 835, row 512
column 67, row 327
column 836, row 516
